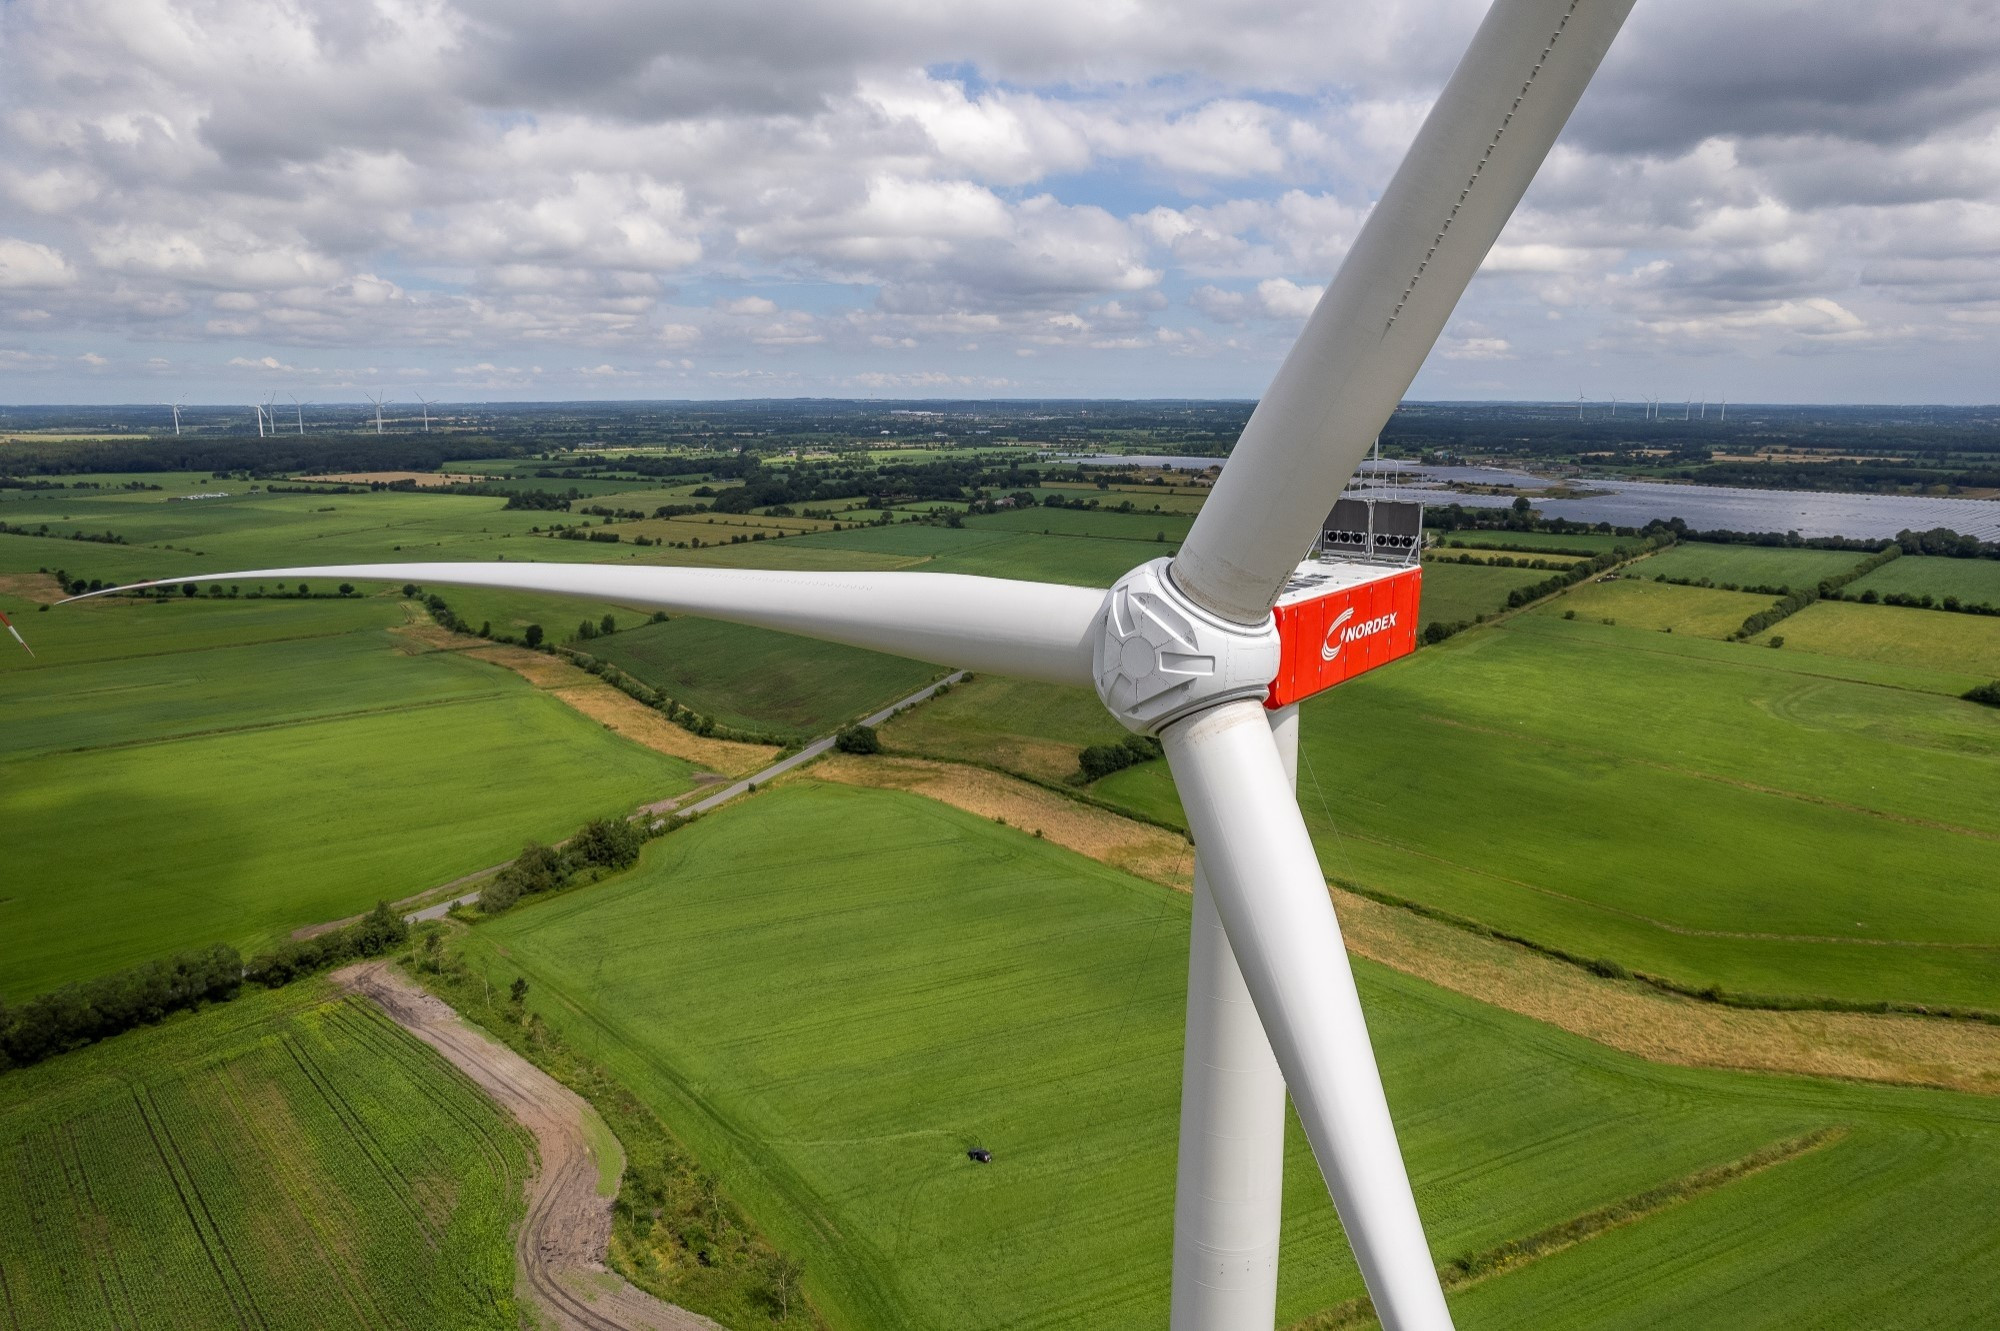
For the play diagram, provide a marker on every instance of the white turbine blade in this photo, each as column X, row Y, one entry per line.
column 1422, row 243
column 17, row 635
column 1271, row 896
column 1030, row 630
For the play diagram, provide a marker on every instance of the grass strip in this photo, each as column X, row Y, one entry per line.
column 1473, row 1268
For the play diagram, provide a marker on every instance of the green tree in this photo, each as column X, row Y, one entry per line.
column 858, row 739
column 533, row 635
column 607, row 625
column 518, row 991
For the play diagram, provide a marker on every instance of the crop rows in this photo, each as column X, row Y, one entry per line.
column 324, row 1170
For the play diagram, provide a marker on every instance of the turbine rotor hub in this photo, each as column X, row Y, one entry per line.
column 1160, row 656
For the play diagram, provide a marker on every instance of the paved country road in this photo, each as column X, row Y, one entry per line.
column 559, row 1252
column 728, row 792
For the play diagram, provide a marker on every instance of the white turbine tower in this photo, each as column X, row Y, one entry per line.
column 427, row 411
column 1189, row 649
column 298, row 411
column 260, row 418
column 175, row 407
column 376, row 398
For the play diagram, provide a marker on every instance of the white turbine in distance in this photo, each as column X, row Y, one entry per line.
column 175, row 407
column 1189, row 649
column 376, row 398
column 259, row 408
column 427, row 411
column 298, row 412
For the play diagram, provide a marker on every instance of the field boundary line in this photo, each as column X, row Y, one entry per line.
column 1476, row 1268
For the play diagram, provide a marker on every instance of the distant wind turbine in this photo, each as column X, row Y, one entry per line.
column 427, row 411
column 174, row 407
column 1579, row 404
column 258, row 407
column 1724, row 418
column 299, row 412
column 376, row 398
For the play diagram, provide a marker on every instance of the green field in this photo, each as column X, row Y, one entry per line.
column 833, row 993
column 179, row 774
column 1035, row 729
column 1582, row 543
column 1749, row 565
column 1658, row 605
column 756, row 679
column 291, row 1159
column 1973, row 581
column 1772, row 822
column 1965, row 645
column 1458, row 593
column 1142, row 526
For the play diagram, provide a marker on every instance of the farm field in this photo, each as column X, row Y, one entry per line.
column 1966, row 645
column 1457, row 593
column 1751, row 565
column 1022, row 726
column 1141, row 526
column 1647, row 798
column 290, row 1159
column 1636, row 603
column 949, row 983
column 257, row 762
column 1582, row 543
column 756, row 679
column 1973, row 581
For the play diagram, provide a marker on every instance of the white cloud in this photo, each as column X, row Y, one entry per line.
column 812, row 190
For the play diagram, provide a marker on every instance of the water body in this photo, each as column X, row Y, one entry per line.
column 1704, row 507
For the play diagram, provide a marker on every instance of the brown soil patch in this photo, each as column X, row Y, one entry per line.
column 559, row 1252
column 1625, row 1015
column 41, row 587
column 1140, row 849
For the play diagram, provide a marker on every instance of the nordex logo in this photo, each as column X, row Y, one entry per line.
column 1340, row 633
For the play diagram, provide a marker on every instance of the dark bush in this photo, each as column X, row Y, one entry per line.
column 858, row 739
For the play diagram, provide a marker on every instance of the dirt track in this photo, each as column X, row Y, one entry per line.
column 559, row 1253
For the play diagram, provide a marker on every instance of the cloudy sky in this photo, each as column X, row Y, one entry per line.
column 1786, row 200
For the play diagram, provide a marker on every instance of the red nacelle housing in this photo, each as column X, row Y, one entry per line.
column 1337, row 620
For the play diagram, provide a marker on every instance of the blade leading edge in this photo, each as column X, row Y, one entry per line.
column 1031, row 630
column 1421, row 245
column 1267, row 887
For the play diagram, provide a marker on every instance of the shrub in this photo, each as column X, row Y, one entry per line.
column 607, row 843
column 858, row 739
column 1101, row 760
column 1989, row 694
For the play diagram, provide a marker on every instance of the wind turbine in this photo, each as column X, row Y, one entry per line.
column 175, row 407
column 1724, row 418
column 1188, row 648
column 1579, row 404
column 298, row 411
column 376, row 398
column 427, row 411
column 260, row 418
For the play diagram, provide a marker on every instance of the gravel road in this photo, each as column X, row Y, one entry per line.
column 559, row 1253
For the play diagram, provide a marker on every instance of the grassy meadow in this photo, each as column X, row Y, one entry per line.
column 1772, row 822
column 1751, row 565
column 1973, row 581
column 833, row 993
column 756, row 679
column 291, row 1159
column 212, row 770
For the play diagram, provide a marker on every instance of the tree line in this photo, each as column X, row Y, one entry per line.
column 87, row 1011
